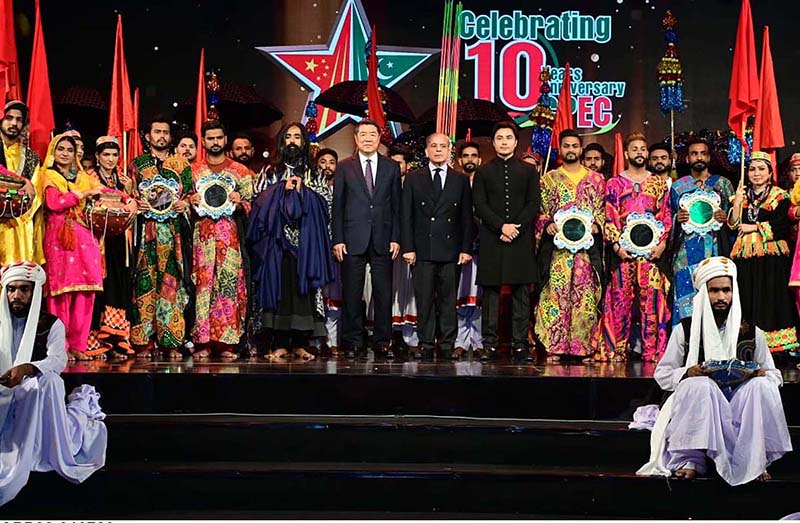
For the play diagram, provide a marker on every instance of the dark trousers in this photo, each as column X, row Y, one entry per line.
column 432, row 280
column 520, row 314
column 354, row 270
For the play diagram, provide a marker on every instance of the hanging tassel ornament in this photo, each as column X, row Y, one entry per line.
column 312, row 126
column 212, row 84
column 670, row 71
column 542, row 116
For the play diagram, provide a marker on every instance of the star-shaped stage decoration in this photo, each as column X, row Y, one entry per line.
column 319, row 67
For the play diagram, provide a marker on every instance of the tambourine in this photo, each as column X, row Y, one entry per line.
column 730, row 372
column 107, row 215
column 13, row 200
column 160, row 193
column 701, row 206
column 641, row 234
column 574, row 229
column 214, row 190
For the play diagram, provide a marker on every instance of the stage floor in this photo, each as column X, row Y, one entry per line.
column 333, row 366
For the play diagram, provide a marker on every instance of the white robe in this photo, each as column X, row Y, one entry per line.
column 743, row 436
column 40, row 433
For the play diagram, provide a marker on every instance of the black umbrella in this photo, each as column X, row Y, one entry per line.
column 84, row 108
column 240, row 107
column 472, row 113
column 350, row 98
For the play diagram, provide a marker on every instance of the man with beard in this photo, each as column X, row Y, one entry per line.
column 469, row 294
column 366, row 230
column 242, row 149
column 506, row 195
column 568, row 312
column 594, row 158
column 690, row 248
column 740, row 425
column 19, row 239
column 660, row 163
column 291, row 159
column 186, row 145
column 638, row 287
column 38, row 432
column 217, row 255
column 162, row 281
column 436, row 226
column 326, row 164
column 290, row 244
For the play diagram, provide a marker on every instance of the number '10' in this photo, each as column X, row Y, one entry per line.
column 520, row 62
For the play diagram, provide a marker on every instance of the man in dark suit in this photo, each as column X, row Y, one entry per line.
column 507, row 197
column 366, row 230
column 436, row 238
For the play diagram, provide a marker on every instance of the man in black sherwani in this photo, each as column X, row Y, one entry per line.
column 506, row 195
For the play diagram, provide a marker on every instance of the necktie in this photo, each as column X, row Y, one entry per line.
column 437, row 184
column 368, row 177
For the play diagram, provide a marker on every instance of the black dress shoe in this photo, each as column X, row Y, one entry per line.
column 520, row 354
column 381, row 352
column 350, row 354
column 427, row 354
column 488, row 354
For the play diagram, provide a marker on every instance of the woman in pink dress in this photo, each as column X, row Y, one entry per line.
column 72, row 253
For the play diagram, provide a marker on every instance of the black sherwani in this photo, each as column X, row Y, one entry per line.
column 506, row 191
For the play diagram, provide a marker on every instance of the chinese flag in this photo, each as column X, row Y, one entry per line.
column 373, row 93
column 10, row 88
column 201, row 108
column 619, row 155
column 564, row 110
column 39, row 99
column 120, row 114
column 744, row 89
column 768, row 130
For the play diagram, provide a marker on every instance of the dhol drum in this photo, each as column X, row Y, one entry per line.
column 13, row 200
column 107, row 215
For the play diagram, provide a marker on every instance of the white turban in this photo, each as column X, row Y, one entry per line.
column 715, row 347
column 19, row 271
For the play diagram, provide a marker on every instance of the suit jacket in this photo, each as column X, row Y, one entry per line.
column 506, row 191
column 359, row 217
column 436, row 231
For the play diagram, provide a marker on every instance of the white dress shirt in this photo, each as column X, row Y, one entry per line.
column 374, row 164
column 443, row 174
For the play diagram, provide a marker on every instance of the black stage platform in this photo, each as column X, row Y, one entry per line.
column 337, row 438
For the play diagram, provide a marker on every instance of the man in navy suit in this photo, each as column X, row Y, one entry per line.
column 437, row 241
column 366, row 230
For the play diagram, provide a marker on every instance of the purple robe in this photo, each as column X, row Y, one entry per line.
column 272, row 211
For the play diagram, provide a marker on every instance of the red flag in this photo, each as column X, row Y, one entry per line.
column 619, row 155
column 201, row 107
column 10, row 88
column 744, row 89
column 120, row 114
column 40, row 102
column 135, row 142
column 768, row 130
column 373, row 92
column 564, row 110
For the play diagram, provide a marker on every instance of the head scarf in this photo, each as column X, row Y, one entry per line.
column 19, row 271
column 762, row 156
column 18, row 105
column 715, row 347
column 49, row 176
column 794, row 160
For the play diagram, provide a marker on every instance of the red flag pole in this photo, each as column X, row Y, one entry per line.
column 201, row 109
column 39, row 98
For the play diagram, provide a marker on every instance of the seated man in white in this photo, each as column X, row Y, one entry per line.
column 38, row 432
column 742, row 428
